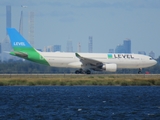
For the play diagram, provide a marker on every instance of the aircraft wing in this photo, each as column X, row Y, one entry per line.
column 88, row 61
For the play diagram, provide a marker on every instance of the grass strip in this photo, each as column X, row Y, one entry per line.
column 70, row 80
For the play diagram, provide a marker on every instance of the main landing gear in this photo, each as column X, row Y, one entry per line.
column 139, row 71
column 81, row 71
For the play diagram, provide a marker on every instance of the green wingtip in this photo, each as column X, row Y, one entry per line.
column 12, row 53
column 77, row 55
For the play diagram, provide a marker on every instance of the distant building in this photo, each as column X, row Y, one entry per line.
column 8, row 16
column 152, row 54
column 52, row 48
column 125, row 48
column 45, row 49
column 119, row 49
column 48, row 49
column 5, row 48
column 69, row 46
column 5, row 44
column 31, row 28
column 79, row 47
column 90, row 44
column 0, row 48
column 21, row 24
column 56, row 48
column 142, row 52
column 111, row 51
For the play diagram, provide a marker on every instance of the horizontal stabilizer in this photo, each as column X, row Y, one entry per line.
column 20, row 54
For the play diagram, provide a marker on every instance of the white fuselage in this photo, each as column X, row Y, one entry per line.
column 83, row 61
column 63, row 59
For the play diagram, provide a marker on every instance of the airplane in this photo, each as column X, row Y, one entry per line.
column 83, row 62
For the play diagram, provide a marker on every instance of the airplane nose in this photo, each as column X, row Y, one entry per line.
column 154, row 62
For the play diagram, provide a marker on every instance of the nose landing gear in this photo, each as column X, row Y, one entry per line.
column 139, row 71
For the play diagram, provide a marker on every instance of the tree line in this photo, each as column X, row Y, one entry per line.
column 27, row 67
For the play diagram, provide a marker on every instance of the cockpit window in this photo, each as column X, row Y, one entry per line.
column 151, row 58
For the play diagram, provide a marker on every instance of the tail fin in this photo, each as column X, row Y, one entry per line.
column 17, row 41
column 23, row 49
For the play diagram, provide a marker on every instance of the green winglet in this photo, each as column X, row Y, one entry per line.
column 77, row 55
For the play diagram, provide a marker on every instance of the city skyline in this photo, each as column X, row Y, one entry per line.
column 108, row 22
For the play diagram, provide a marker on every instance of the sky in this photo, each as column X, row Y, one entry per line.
column 109, row 22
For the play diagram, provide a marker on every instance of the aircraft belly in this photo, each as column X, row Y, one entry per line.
column 54, row 64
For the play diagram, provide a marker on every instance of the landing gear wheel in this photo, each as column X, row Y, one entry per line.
column 77, row 71
column 80, row 71
column 88, row 72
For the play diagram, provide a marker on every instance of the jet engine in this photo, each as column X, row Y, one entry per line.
column 110, row 67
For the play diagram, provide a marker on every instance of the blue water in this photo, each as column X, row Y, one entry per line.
column 79, row 102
